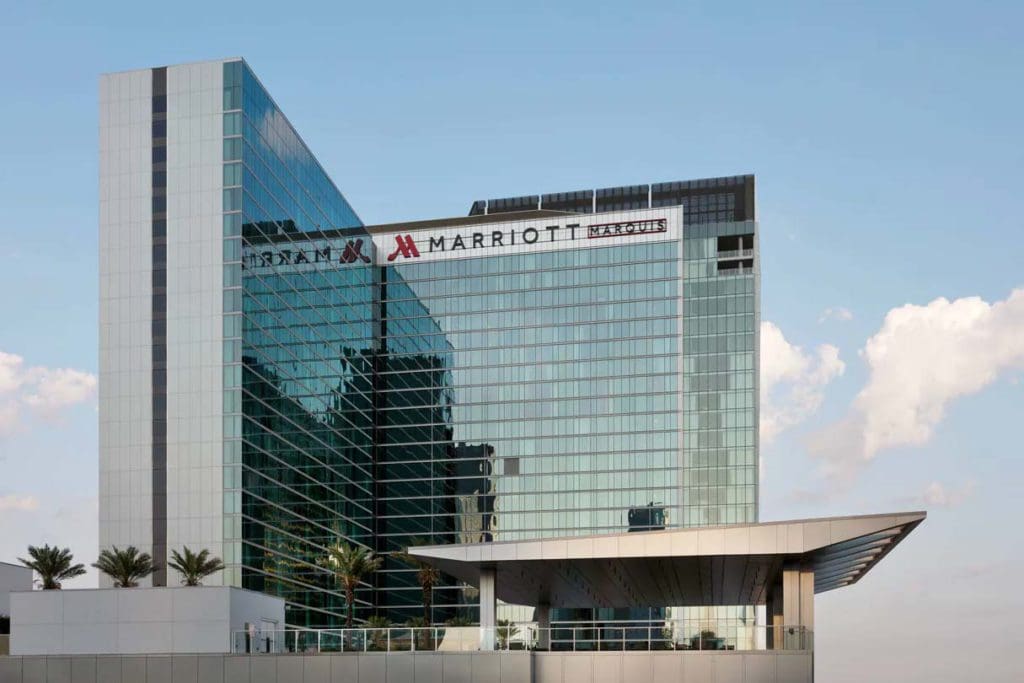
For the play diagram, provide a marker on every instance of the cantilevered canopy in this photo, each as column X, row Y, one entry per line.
column 724, row 565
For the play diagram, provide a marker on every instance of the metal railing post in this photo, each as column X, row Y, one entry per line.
column 364, row 640
column 319, row 649
column 412, row 639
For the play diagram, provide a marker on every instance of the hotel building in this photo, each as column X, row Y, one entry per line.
column 276, row 374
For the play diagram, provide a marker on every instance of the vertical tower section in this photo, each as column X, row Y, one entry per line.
column 721, row 282
column 126, row 325
column 235, row 403
column 195, row 305
column 161, row 311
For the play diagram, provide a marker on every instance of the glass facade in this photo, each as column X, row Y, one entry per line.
column 560, row 405
column 719, row 376
column 299, row 351
column 500, row 397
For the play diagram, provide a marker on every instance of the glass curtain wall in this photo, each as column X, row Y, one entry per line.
column 564, row 397
column 299, row 352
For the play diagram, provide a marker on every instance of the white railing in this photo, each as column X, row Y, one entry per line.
column 523, row 637
column 735, row 253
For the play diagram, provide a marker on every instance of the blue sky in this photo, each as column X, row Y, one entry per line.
column 887, row 146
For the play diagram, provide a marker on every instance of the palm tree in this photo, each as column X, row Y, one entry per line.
column 506, row 631
column 350, row 563
column 194, row 567
column 426, row 576
column 419, row 630
column 126, row 566
column 378, row 626
column 53, row 564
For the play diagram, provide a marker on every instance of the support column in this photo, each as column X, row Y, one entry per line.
column 773, row 616
column 542, row 615
column 488, row 607
column 798, row 607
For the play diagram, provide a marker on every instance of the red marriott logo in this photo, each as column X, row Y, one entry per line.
column 406, row 247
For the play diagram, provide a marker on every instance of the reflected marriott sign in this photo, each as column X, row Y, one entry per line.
column 406, row 245
column 352, row 252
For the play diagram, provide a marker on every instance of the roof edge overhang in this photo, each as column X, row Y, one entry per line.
column 839, row 550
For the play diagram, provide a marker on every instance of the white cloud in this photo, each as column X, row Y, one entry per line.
column 838, row 313
column 792, row 380
column 61, row 387
column 11, row 502
column 920, row 361
column 937, row 496
column 42, row 390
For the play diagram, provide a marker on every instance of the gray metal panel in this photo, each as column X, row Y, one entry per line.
column 83, row 670
column 579, row 669
column 666, row 666
column 457, row 670
column 210, row 669
column 428, row 667
column 399, row 668
column 315, row 669
column 185, row 669
column 108, row 669
column 547, row 667
column 289, row 668
column 484, row 667
column 58, row 670
column 11, row 670
column 758, row 668
column 607, row 667
column 134, row 668
column 33, row 670
column 237, row 669
column 728, row 667
column 373, row 668
column 697, row 668
column 795, row 668
column 344, row 668
column 517, row 668
column 262, row 670
column 158, row 670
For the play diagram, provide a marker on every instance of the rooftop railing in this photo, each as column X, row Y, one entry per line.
column 521, row 638
column 735, row 253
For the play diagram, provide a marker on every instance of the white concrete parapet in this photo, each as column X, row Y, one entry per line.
column 194, row 620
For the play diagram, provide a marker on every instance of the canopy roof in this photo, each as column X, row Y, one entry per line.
column 723, row 565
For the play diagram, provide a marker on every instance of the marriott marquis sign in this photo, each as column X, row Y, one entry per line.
column 428, row 245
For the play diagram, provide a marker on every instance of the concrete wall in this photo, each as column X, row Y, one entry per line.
column 680, row 667
column 136, row 620
column 425, row 667
column 13, row 577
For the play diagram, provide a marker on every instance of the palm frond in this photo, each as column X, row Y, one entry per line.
column 126, row 567
column 194, row 567
column 53, row 565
